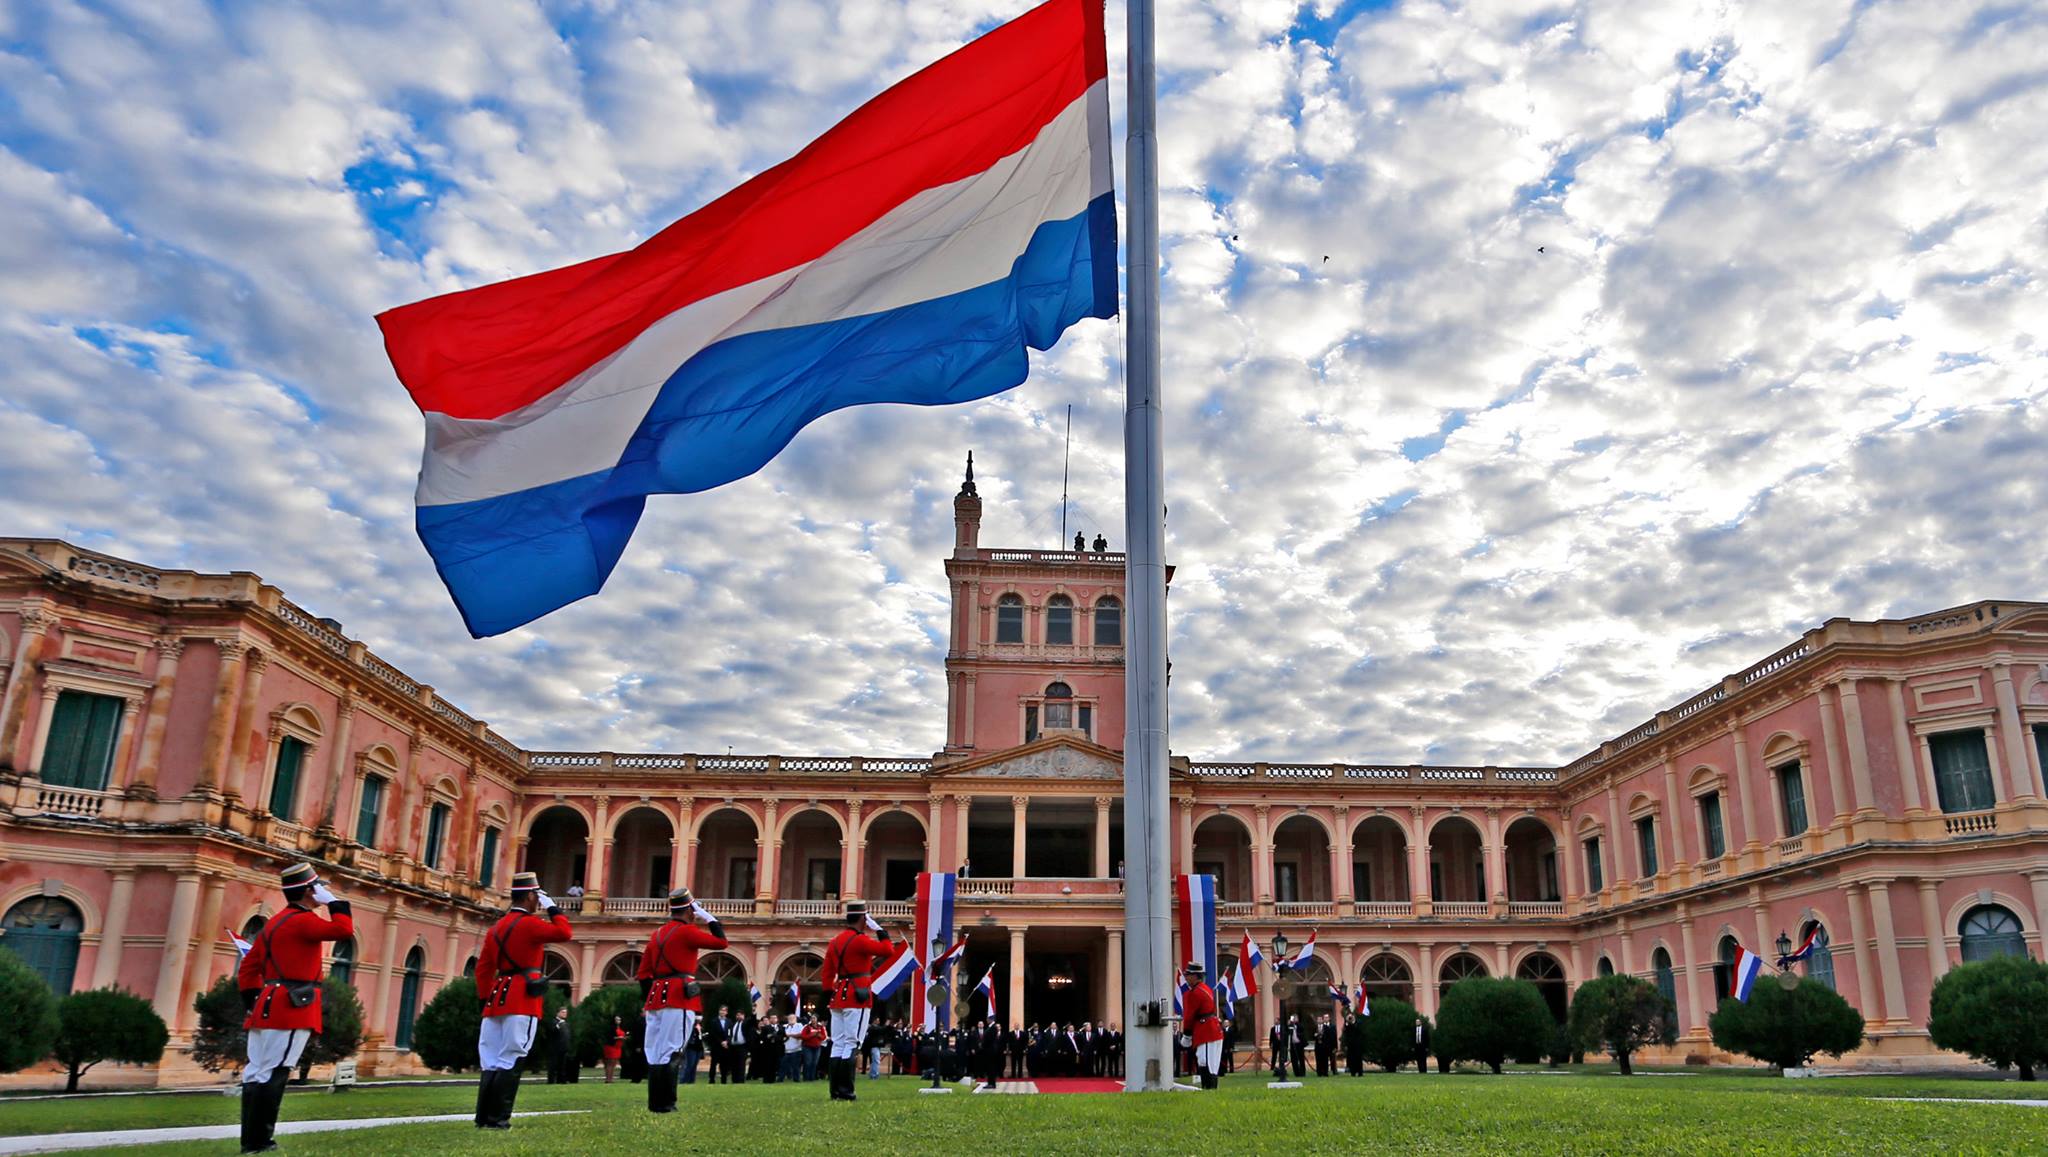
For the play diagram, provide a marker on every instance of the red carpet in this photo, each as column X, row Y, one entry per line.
column 1079, row 1085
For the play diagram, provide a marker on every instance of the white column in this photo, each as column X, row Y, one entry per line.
column 1016, row 1017
column 1902, row 745
column 1020, row 806
column 106, row 968
column 1100, row 861
column 1931, row 926
column 2012, row 732
column 1859, row 750
column 170, row 971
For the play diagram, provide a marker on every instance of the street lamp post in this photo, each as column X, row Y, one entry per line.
column 1786, row 980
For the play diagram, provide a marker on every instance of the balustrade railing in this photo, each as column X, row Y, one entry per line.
column 807, row 909
column 1382, row 909
column 1323, row 908
column 892, row 909
column 1462, row 909
column 1536, row 908
column 1971, row 824
column 1235, row 910
column 728, row 907
column 636, row 905
column 71, row 801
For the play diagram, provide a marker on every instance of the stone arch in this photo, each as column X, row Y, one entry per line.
column 546, row 805
column 793, row 956
column 1436, row 825
column 88, row 912
column 1642, row 803
column 1300, row 851
column 753, row 813
column 381, row 758
column 1203, row 816
column 1520, row 956
column 868, row 818
column 639, row 805
column 1311, row 813
column 1780, row 745
column 303, row 716
column 1366, row 815
column 1952, row 917
column 604, row 966
column 1705, row 777
column 445, row 785
column 783, row 820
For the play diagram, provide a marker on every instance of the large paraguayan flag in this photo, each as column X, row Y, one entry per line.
column 910, row 255
column 933, row 921
column 1197, row 896
column 1742, row 978
column 900, row 968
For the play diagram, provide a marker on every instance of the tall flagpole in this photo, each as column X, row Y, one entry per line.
column 1148, row 914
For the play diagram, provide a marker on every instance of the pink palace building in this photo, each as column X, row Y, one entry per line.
column 169, row 739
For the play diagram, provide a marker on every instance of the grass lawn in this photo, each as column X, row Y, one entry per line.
column 1578, row 1113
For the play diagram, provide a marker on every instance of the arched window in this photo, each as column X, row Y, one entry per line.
column 1724, row 969
column 1460, row 967
column 557, row 970
column 1010, row 619
column 1109, row 622
column 1059, row 705
column 251, row 927
column 1660, row 969
column 1387, row 976
column 341, row 961
column 409, row 995
column 1605, row 967
column 469, row 968
column 1059, row 621
column 621, row 968
column 1989, row 931
column 1821, row 965
column 44, row 932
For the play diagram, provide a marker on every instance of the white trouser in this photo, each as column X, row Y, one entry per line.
column 504, row 1039
column 273, row 1048
column 849, row 1025
column 667, row 1029
column 1209, row 1057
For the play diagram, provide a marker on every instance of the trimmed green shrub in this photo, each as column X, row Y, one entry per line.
column 106, row 1024
column 1994, row 1010
column 445, row 1031
column 29, row 1010
column 1618, row 1015
column 1388, row 1035
column 1788, row 1027
column 1490, row 1020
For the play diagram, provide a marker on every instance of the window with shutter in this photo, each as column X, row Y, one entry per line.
column 1962, row 771
column 284, row 784
column 80, row 749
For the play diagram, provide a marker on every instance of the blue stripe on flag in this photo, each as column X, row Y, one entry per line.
column 730, row 409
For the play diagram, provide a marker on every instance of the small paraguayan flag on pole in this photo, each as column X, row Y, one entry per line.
column 1742, row 978
column 753, row 994
column 796, row 998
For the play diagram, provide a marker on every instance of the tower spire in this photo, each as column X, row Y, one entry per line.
column 967, row 486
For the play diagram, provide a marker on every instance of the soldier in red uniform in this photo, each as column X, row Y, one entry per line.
column 851, row 961
column 280, row 982
column 1204, row 1028
column 513, row 989
column 672, row 998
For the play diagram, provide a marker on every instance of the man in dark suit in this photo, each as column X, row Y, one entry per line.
column 717, row 1034
column 1279, row 1042
column 1084, row 1044
column 1230, row 1038
column 1326, row 1047
column 1297, row 1045
column 560, row 1048
column 1015, row 1043
column 1421, row 1045
column 1354, row 1045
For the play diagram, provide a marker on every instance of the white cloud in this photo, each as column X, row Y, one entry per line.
column 1442, row 496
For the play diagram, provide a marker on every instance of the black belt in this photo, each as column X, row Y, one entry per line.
column 674, row 976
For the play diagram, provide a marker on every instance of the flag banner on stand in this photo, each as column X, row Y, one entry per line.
column 912, row 254
column 933, row 922
column 1301, row 958
column 1338, row 995
column 753, row 993
column 241, row 946
column 1180, row 985
column 1363, row 1002
column 1197, row 897
column 796, row 998
column 1248, row 960
column 987, row 989
column 1742, row 977
column 1805, row 949
column 901, row 967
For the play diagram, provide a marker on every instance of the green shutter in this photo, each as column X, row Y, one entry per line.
column 1962, row 771
column 1710, row 819
column 488, row 870
column 284, row 786
column 80, row 749
column 1792, row 792
column 366, row 817
column 437, row 830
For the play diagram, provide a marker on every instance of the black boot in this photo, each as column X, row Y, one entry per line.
column 508, row 1092
column 661, row 1088
column 487, row 1099
column 255, row 1121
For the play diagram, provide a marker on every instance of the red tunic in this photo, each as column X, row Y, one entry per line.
column 512, row 949
column 850, row 963
column 288, row 950
column 670, row 963
column 1198, row 1012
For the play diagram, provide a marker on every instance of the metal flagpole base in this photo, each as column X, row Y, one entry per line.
column 1283, row 1084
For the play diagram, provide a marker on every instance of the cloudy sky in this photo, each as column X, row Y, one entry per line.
column 1529, row 365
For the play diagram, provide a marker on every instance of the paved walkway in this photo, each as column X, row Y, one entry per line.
column 1966, row 1101
column 58, row 1142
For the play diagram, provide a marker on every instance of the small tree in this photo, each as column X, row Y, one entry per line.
column 1788, row 1027
column 1389, row 1034
column 341, row 1027
column 1490, row 1020
column 1994, row 1010
column 219, row 1041
column 590, row 1022
column 1619, row 1014
column 28, row 1009
column 106, row 1024
column 444, row 1033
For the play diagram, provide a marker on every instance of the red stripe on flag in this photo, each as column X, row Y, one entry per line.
column 484, row 352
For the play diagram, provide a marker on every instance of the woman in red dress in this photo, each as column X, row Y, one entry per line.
column 614, row 1047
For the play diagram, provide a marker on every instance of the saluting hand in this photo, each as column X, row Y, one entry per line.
column 320, row 893
column 543, row 899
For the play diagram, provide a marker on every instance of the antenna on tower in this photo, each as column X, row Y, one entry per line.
column 1064, row 463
